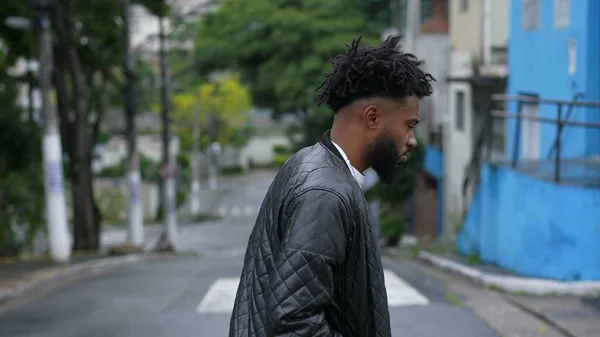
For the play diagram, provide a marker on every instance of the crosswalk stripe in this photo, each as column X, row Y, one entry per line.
column 401, row 293
column 221, row 294
column 236, row 211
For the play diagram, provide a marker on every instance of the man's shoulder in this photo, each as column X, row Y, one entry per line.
column 316, row 168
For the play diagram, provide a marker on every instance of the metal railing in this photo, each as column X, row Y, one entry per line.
column 484, row 137
column 576, row 98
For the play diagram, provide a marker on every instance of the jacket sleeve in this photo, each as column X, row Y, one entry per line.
column 311, row 248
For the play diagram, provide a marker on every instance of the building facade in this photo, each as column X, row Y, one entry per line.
column 538, row 213
column 479, row 32
column 555, row 54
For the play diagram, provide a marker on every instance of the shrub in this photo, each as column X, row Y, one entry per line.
column 280, row 149
column 280, row 159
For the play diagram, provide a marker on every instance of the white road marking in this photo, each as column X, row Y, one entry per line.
column 221, row 295
column 401, row 293
column 237, row 211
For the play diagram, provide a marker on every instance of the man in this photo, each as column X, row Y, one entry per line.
column 313, row 267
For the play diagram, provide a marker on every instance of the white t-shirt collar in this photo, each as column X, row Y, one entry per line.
column 359, row 177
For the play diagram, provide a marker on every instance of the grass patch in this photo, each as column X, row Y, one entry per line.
column 494, row 287
column 190, row 252
column 453, row 299
column 232, row 171
column 204, row 217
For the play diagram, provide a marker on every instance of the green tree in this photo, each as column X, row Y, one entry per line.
column 227, row 100
column 281, row 47
column 88, row 55
column 21, row 181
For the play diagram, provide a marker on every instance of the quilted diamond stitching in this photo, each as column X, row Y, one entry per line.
column 365, row 296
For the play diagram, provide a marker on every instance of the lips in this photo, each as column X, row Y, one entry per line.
column 404, row 157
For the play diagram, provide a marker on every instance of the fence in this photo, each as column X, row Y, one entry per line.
column 564, row 111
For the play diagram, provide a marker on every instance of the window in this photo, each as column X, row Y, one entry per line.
column 562, row 13
column 460, row 110
column 464, row 5
column 532, row 14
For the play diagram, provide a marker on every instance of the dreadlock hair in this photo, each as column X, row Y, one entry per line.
column 381, row 71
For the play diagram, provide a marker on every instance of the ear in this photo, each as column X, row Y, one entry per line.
column 372, row 116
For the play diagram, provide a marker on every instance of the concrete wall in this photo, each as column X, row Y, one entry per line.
column 116, row 150
column 466, row 27
column 533, row 227
column 149, row 196
column 543, row 63
column 500, row 22
column 258, row 152
column 434, row 166
column 458, row 142
column 434, row 162
column 435, row 50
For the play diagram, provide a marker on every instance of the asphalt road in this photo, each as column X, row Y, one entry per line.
column 182, row 296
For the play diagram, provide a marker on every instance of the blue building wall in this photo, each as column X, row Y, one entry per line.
column 434, row 162
column 551, row 231
column 538, row 63
column 434, row 166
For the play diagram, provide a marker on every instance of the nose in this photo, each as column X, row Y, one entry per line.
column 412, row 142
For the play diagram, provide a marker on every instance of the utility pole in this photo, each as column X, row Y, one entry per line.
column 56, row 208
column 195, row 200
column 168, row 163
column 30, row 89
column 135, row 233
column 413, row 18
column 212, row 166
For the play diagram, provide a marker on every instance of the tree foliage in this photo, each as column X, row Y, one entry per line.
column 21, row 181
column 88, row 54
column 227, row 100
column 281, row 47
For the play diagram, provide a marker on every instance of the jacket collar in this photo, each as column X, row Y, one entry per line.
column 326, row 141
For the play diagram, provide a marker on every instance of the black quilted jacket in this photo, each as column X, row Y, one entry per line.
column 312, row 267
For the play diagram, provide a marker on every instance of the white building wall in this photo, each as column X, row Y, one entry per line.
column 457, row 142
column 435, row 50
column 500, row 22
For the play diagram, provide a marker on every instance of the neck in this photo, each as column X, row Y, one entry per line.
column 346, row 137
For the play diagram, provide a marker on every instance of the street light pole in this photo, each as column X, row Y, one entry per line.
column 168, row 171
column 135, row 233
column 56, row 208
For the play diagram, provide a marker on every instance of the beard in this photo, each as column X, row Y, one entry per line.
column 385, row 157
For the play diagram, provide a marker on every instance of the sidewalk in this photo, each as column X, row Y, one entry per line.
column 18, row 277
column 574, row 316
column 501, row 297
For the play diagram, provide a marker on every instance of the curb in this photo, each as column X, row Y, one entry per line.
column 58, row 273
column 514, row 284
